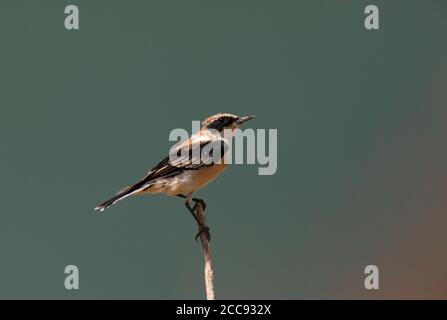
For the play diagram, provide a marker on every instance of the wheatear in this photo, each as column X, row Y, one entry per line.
column 193, row 166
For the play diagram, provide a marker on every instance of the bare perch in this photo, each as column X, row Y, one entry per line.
column 209, row 275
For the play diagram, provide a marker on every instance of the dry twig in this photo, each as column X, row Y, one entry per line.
column 208, row 272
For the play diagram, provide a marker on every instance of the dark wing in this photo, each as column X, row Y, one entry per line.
column 189, row 157
column 185, row 157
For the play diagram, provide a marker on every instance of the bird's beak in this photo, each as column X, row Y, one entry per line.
column 241, row 120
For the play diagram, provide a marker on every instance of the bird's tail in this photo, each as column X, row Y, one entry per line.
column 119, row 196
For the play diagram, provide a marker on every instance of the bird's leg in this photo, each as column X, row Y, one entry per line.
column 193, row 213
column 202, row 228
column 196, row 200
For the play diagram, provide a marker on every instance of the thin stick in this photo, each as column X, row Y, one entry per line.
column 209, row 275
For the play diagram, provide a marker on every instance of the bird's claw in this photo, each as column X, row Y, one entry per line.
column 204, row 230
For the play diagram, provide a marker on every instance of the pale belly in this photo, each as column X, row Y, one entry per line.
column 188, row 182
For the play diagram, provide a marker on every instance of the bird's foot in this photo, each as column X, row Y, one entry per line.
column 203, row 230
column 196, row 200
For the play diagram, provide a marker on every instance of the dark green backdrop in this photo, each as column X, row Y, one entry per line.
column 361, row 166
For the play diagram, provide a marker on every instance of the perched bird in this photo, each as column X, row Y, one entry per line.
column 189, row 166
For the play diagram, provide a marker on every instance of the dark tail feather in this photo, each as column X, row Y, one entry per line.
column 119, row 196
column 142, row 184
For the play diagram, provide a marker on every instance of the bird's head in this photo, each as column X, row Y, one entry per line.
column 222, row 121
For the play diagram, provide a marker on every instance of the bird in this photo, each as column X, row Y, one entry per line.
column 189, row 166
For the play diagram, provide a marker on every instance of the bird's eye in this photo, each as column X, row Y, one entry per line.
column 222, row 120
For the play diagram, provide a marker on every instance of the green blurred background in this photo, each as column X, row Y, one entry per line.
column 362, row 163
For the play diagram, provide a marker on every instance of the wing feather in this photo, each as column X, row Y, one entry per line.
column 190, row 156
